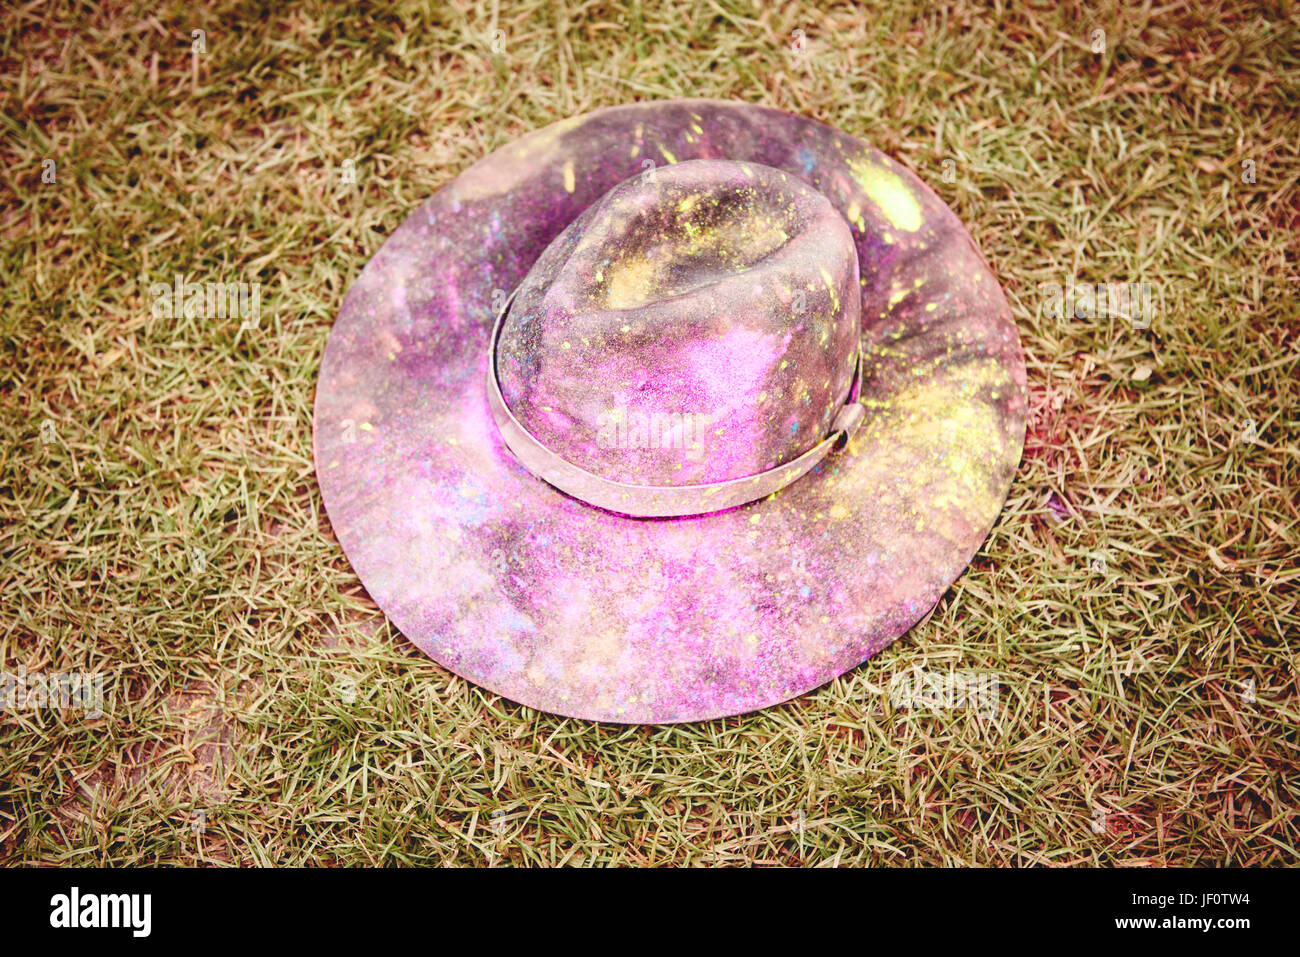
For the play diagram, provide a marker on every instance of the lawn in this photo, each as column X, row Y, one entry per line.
column 161, row 525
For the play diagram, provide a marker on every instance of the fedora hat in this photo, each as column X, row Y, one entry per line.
column 668, row 412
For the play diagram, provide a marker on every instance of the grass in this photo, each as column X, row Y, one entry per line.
column 160, row 521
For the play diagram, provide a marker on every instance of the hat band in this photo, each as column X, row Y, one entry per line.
column 657, row 501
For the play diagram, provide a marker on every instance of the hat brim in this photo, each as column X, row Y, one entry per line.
column 569, row 609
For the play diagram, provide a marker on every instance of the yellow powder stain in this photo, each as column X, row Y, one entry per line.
column 629, row 283
column 511, row 166
column 838, row 511
column 898, row 296
column 568, row 177
column 887, row 190
column 957, row 441
column 830, row 287
column 667, row 155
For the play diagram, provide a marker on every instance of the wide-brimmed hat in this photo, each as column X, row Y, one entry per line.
column 669, row 411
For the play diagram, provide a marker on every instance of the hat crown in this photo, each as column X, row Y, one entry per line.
column 697, row 324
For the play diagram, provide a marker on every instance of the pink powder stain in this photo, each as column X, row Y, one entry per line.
column 733, row 368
